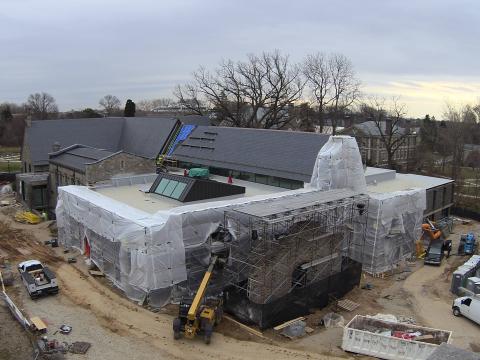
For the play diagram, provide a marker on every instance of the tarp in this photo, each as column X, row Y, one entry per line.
column 393, row 226
column 339, row 165
column 143, row 254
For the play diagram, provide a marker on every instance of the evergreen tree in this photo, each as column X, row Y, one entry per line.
column 129, row 109
column 6, row 113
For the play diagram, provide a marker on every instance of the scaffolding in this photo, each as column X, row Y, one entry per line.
column 291, row 243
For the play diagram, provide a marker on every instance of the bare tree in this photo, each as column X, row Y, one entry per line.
column 345, row 87
column 41, row 106
column 319, row 80
column 458, row 123
column 188, row 97
column 389, row 124
column 255, row 93
column 110, row 104
column 152, row 104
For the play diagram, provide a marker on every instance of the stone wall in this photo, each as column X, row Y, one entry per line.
column 118, row 164
column 25, row 157
column 62, row 176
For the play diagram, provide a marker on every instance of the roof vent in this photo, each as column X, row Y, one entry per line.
column 56, row 146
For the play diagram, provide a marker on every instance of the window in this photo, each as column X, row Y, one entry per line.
column 262, row 179
column 39, row 197
column 170, row 188
column 161, row 186
column 178, row 190
column 122, row 164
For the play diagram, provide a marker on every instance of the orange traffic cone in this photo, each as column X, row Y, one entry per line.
column 185, row 172
column 230, row 179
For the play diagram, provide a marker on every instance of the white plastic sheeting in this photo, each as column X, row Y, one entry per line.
column 146, row 255
column 140, row 252
column 393, row 226
column 394, row 219
column 339, row 165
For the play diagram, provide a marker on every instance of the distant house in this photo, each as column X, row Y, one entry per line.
column 471, row 155
column 372, row 146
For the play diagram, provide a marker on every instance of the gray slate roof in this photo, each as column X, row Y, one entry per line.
column 139, row 136
column 77, row 156
column 202, row 120
column 285, row 154
column 371, row 128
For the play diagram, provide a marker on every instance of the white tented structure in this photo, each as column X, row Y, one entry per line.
column 151, row 254
column 339, row 165
column 394, row 225
column 143, row 254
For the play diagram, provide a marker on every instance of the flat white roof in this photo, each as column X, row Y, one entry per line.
column 135, row 196
column 406, row 182
column 376, row 171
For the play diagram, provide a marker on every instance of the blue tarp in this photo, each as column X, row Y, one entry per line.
column 185, row 130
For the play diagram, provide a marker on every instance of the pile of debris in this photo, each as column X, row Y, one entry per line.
column 53, row 349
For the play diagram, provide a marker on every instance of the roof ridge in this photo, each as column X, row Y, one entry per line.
column 260, row 129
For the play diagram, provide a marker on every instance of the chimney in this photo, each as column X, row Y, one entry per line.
column 388, row 126
column 408, row 127
column 56, row 146
column 348, row 121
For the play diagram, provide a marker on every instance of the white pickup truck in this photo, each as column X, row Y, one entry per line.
column 38, row 279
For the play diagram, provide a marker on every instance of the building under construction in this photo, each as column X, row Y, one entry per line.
column 293, row 254
column 290, row 250
column 288, row 255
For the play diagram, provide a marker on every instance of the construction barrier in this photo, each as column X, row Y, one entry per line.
column 13, row 308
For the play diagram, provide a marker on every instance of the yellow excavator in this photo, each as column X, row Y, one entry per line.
column 429, row 231
column 202, row 313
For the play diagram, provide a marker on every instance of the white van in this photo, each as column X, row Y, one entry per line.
column 468, row 306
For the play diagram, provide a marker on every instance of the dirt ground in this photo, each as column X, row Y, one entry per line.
column 121, row 329
column 17, row 344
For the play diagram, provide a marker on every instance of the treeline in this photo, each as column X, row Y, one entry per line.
column 261, row 91
column 444, row 146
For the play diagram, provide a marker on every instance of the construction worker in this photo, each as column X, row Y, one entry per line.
column 447, row 246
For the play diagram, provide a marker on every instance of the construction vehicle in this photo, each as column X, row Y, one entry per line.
column 429, row 234
column 434, row 254
column 468, row 244
column 430, row 229
column 202, row 313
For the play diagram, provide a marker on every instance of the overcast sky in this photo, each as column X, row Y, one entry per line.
column 426, row 51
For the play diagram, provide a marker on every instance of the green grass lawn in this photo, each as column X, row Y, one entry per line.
column 9, row 150
column 10, row 167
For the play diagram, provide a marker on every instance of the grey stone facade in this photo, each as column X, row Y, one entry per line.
column 118, row 164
